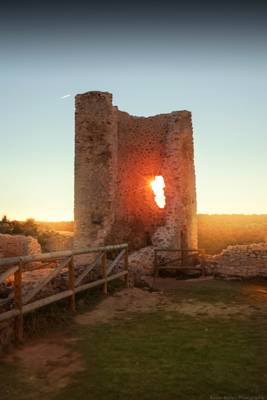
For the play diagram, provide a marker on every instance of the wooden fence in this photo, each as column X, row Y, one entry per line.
column 183, row 261
column 23, row 304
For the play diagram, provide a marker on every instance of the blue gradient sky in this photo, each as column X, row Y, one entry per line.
column 154, row 59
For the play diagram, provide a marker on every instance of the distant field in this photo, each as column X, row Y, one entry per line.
column 65, row 226
column 215, row 232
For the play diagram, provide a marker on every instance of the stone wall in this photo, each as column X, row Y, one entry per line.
column 116, row 158
column 246, row 261
column 18, row 245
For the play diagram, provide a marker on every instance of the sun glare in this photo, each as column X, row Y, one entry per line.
column 158, row 186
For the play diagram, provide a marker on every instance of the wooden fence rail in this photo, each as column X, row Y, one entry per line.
column 25, row 303
column 182, row 263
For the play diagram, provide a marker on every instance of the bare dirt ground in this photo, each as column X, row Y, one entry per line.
column 137, row 300
column 49, row 364
column 201, row 308
column 172, row 283
column 126, row 301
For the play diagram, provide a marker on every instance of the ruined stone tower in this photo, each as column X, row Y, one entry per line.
column 116, row 158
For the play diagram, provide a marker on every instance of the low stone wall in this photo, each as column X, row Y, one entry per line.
column 245, row 261
column 19, row 245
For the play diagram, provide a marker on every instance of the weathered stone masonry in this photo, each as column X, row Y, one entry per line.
column 116, row 157
column 19, row 245
column 244, row 261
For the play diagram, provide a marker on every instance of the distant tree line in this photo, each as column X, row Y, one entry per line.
column 28, row 228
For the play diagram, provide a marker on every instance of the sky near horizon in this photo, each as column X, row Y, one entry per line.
column 154, row 57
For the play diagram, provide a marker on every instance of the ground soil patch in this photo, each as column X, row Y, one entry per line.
column 126, row 301
column 48, row 364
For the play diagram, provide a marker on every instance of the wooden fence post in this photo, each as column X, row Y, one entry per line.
column 104, row 272
column 72, row 304
column 126, row 267
column 18, row 303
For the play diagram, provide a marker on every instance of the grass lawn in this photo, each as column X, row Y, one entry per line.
column 166, row 355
